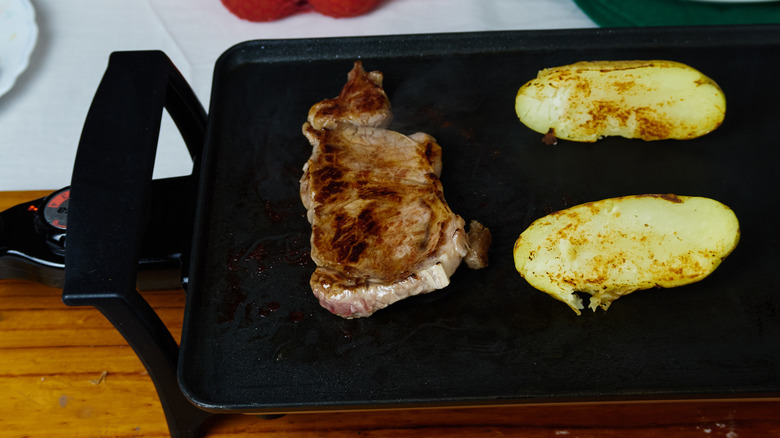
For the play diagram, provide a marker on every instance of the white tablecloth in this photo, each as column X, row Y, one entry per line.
column 42, row 116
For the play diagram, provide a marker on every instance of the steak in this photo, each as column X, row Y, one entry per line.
column 381, row 228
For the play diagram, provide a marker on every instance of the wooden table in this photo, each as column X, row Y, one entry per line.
column 66, row 372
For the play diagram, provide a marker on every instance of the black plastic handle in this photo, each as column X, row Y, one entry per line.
column 109, row 212
column 111, row 183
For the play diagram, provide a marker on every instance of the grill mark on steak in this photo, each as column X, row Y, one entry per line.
column 328, row 173
column 381, row 228
column 378, row 193
column 348, row 241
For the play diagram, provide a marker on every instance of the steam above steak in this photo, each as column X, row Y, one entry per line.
column 381, row 229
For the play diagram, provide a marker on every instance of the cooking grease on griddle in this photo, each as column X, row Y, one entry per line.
column 269, row 308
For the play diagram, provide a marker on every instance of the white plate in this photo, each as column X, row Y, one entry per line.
column 18, row 34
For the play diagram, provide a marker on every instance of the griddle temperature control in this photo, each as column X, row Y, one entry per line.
column 32, row 239
column 51, row 220
column 55, row 209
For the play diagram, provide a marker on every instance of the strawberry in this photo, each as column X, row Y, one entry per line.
column 343, row 8
column 265, row 10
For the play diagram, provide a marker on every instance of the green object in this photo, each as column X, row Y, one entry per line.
column 622, row 13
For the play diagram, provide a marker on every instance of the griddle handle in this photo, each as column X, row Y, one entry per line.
column 109, row 210
column 112, row 175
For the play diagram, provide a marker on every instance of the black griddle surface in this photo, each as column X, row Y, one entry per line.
column 256, row 340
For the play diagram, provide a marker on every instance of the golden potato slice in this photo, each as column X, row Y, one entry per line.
column 651, row 100
column 612, row 247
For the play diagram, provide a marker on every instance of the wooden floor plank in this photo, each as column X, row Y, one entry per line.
column 650, row 419
column 80, row 317
column 41, row 323
column 51, row 300
column 80, row 406
column 90, row 361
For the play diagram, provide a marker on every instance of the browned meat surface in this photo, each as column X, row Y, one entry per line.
column 381, row 229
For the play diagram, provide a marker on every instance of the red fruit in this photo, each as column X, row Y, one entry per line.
column 264, row 10
column 343, row 8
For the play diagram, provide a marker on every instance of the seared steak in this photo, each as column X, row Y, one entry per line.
column 381, row 229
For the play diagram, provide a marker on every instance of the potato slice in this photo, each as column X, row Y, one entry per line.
column 651, row 100
column 612, row 247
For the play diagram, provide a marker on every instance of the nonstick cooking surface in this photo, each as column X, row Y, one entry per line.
column 256, row 340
